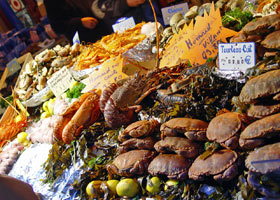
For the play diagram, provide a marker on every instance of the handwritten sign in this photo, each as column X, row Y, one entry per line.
column 200, row 41
column 123, row 24
column 60, row 81
column 109, row 72
column 236, row 56
column 173, row 52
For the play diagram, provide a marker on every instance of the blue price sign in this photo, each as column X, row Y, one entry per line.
column 236, row 56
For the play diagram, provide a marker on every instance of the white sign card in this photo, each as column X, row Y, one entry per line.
column 124, row 24
column 76, row 38
column 236, row 56
column 60, row 81
column 168, row 12
column 13, row 66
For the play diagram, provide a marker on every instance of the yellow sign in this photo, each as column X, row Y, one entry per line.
column 200, row 41
column 109, row 72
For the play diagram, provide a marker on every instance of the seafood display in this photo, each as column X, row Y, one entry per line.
column 178, row 132
column 33, row 78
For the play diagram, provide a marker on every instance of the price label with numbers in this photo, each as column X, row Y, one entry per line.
column 236, row 56
column 60, row 81
column 123, row 24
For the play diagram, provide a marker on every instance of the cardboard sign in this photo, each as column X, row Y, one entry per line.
column 109, row 72
column 236, row 56
column 123, row 24
column 60, row 81
column 200, row 41
column 168, row 12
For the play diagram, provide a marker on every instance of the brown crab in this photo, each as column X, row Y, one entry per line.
column 263, row 85
column 225, row 129
column 262, row 25
column 193, row 129
column 264, row 161
column 257, row 133
column 136, row 143
column 139, row 129
column 222, row 165
column 260, row 111
column 131, row 163
column 179, row 145
column 171, row 165
column 272, row 41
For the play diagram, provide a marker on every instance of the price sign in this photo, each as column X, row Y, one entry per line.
column 60, row 81
column 200, row 41
column 236, row 56
column 13, row 66
column 109, row 72
column 168, row 12
column 123, row 24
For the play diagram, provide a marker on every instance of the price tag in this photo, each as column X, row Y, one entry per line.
column 236, row 56
column 109, row 72
column 168, row 12
column 60, row 81
column 76, row 38
column 13, row 66
column 123, row 24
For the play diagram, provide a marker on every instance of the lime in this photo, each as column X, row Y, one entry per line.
column 22, row 137
column 93, row 188
column 127, row 188
column 45, row 115
column 153, row 186
column 112, row 184
column 171, row 183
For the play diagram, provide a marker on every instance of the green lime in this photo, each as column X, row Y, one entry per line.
column 171, row 182
column 112, row 184
column 127, row 188
column 153, row 186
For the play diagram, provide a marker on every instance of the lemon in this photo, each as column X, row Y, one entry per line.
column 153, row 186
column 50, row 105
column 112, row 184
column 45, row 106
column 45, row 115
column 18, row 118
column 74, row 84
column 22, row 137
column 171, row 182
column 93, row 188
column 127, row 188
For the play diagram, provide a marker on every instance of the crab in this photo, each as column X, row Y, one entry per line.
column 264, row 85
column 264, row 162
column 272, row 41
column 221, row 165
column 257, row 133
column 136, row 143
column 225, row 129
column 179, row 145
column 262, row 25
column 193, row 129
column 139, row 129
column 171, row 165
column 131, row 163
column 260, row 111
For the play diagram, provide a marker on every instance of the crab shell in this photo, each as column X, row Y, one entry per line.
column 265, row 153
column 179, row 145
column 254, row 135
column 194, row 129
column 222, row 165
column 172, row 165
column 139, row 129
column 261, row 86
column 262, row 24
column 131, row 163
column 136, row 143
column 272, row 41
column 224, row 129
column 260, row 111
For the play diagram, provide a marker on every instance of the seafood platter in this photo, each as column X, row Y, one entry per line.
column 176, row 132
